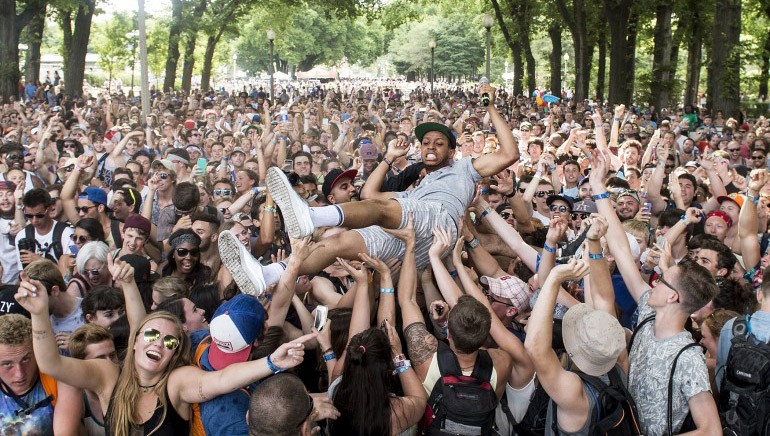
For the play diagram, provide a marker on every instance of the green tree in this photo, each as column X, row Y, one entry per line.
column 14, row 16
column 113, row 43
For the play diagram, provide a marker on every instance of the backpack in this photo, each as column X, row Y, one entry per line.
column 196, row 422
column 117, row 236
column 534, row 421
column 744, row 398
column 58, row 250
column 616, row 412
column 689, row 423
column 460, row 404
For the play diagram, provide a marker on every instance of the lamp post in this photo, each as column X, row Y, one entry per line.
column 235, row 59
column 432, row 45
column 566, row 58
column 271, row 38
column 487, row 21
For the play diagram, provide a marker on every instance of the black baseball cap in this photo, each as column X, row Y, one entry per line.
column 334, row 176
column 424, row 128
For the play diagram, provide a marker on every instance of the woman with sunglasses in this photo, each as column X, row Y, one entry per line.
column 184, row 259
column 91, row 265
column 154, row 390
column 86, row 230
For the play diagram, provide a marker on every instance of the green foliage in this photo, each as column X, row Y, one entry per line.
column 114, row 42
column 459, row 52
column 307, row 36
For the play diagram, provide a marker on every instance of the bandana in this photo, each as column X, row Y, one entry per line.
column 185, row 238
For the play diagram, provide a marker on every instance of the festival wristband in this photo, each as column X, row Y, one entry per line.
column 329, row 356
column 549, row 249
column 597, row 256
column 387, row 290
column 272, row 366
column 601, row 196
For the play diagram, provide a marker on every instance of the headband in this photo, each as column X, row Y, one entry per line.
column 185, row 238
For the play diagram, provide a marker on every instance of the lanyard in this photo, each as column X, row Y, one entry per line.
column 26, row 409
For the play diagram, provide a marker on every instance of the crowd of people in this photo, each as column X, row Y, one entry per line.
column 373, row 259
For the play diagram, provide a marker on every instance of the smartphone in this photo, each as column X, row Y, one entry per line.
column 648, row 207
column 288, row 163
column 661, row 241
column 201, row 164
column 325, row 122
column 321, row 313
column 74, row 249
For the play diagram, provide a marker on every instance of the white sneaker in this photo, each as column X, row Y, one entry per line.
column 296, row 212
column 246, row 271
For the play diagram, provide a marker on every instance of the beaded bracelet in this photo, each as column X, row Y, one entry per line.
column 270, row 209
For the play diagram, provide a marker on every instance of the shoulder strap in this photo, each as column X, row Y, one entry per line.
column 669, row 410
column 200, row 349
column 56, row 245
column 29, row 232
column 482, row 370
column 639, row 327
column 50, row 387
column 741, row 327
column 115, row 231
column 447, row 361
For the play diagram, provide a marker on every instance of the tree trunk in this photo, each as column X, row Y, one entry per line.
column 618, row 14
column 764, row 74
column 11, row 26
column 521, row 15
column 601, row 72
column 633, row 32
column 725, row 71
column 554, row 32
column 576, row 20
column 34, row 39
column 694, row 54
column 661, row 84
column 189, row 49
column 518, row 69
column 9, row 51
column 172, row 56
column 208, row 58
column 76, row 49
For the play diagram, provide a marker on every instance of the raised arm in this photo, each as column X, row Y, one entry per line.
column 282, row 297
column 69, row 192
column 510, row 236
column 96, row 375
column 615, row 233
column 492, row 163
column 123, row 275
column 556, row 231
column 747, row 232
column 386, row 309
column 446, row 284
column 397, row 148
column 564, row 387
column 656, row 182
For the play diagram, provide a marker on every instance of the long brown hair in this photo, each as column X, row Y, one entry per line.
column 126, row 392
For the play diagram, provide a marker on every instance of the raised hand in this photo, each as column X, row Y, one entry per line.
column 693, row 215
column 122, row 272
column 374, row 262
column 572, row 270
column 620, row 110
column 706, row 162
column 598, row 227
column 398, row 147
column 356, row 270
column 292, row 353
column 405, row 234
column 505, row 184
column 441, row 242
column 556, row 231
column 300, row 248
column 32, row 295
column 757, row 180
column 395, row 341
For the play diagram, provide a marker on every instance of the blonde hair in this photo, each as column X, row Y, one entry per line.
column 15, row 329
column 168, row 287
column 126, row 393
column 637, row 229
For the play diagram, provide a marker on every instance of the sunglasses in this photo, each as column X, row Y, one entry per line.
column 491, row 298
column 541, row 194
column 581, row 215
column 93, row 272
column 170, row 342
column 81, row 239
column 184, row 252
column 69, row 146
column 39, row 216
column 560, row 209
column 223, row 192
column 733, row 150
column 69, row 168
column 162, row 176
column 506, row 215
column 84, row 209
column 316, row 152
column 196, row 134
column 757, row 157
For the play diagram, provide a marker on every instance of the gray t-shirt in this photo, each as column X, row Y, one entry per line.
column 452, row 186
column 650, row 367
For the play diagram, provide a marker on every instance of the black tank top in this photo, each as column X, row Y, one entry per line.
column 173, row 425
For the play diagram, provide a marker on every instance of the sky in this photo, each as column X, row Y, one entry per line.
column 150, row 6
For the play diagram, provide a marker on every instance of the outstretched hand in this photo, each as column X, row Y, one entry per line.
column 572, row 270
column 291, row 354
column 356, row 270
column 405, row 234
column 32, row 295
column 442, row 240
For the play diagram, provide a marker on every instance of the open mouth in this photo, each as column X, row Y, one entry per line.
column 153, row 355
column 430, row 156
column 186, row 264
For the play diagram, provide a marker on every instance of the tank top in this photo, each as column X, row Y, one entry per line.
column 173, row 425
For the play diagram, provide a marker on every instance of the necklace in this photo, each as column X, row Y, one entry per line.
column 146, row 389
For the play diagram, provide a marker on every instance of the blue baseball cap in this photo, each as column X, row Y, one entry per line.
column 234, row 327
column 94, row 194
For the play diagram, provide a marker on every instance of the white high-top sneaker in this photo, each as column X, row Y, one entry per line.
column 296, row 212
column 246, row 271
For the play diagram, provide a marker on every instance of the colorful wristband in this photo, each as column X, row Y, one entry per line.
column 387, row 290
column 272, row 366
column 473, row 243
column 549, row 249
column 329, row 356
column 597, row 256
column 601, row 196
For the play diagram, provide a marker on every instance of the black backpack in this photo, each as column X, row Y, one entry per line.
column 58, row 250
column 744, row 397
column 459, row 404
column 616, row 411
column 534, row 421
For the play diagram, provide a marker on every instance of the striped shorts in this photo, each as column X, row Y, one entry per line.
column 426, row 216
